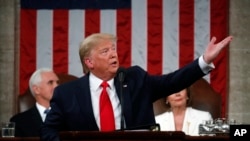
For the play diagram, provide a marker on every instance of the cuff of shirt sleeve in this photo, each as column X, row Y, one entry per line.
column 206, row 68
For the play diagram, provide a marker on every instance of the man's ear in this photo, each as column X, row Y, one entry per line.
column 36, row 89
column 88, row 62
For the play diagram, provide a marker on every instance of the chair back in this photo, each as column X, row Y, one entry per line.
column 203, row 97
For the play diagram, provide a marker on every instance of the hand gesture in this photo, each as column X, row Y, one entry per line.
column 213, row 49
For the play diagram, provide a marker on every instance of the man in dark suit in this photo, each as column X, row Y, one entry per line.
column 41, row 84
column 132, row 91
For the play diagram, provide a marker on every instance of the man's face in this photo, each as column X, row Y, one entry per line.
column 103, row 60
column 47, row 85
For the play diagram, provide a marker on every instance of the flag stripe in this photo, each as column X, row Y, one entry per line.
column 219, row 28
column 60, row 41
column 154, row 46
column 186, row 32
column 28, row 25
column 44, row 56
column 202, row 26
column 108, row 21
column 139, row 33
column 170, row 35
column 124, row 37
column 92, row 22
column 76, row 34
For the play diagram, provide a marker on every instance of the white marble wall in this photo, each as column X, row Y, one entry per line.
column 239, row 86
column 8, row 58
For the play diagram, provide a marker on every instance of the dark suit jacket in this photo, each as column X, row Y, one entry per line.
column 28, row 123
column 71, row 107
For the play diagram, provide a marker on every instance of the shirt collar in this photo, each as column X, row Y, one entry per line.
column 40, row 108
column 95, row 82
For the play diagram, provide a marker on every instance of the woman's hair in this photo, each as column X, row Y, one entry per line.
column 91, row 42
column 36, row 78
column 189, row 93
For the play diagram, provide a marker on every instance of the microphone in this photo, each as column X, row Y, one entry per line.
column 121, row 75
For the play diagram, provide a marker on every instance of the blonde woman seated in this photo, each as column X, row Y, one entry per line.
column 181, row 117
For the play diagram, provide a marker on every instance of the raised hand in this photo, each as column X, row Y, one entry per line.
column 213, row 49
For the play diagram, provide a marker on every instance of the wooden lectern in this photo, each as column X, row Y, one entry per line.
column 122, row 136
column 125, row 136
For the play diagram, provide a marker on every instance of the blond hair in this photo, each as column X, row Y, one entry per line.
column 91, row 42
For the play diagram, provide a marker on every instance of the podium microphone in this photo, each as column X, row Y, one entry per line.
column 121, row 76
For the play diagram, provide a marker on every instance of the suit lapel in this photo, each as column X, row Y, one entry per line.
column 83, row 97
column 190, row 121
column 36, row 116
column 125, row 97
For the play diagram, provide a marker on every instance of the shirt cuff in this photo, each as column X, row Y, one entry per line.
column 206, row 68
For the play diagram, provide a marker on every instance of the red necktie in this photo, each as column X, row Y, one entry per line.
column 107, row 120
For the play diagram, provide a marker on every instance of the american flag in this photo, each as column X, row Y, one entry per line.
column 158, row 35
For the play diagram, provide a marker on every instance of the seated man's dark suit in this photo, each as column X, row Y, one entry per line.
column 28, row 123
column 71, row 107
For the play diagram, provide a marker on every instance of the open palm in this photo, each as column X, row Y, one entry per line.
column 213, row 49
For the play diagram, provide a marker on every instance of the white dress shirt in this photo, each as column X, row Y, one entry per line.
column 206, row 68
column 41, row 110
column 95, row 90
